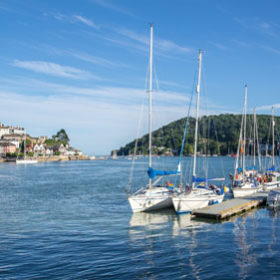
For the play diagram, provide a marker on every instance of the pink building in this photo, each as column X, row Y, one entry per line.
column 7, row 147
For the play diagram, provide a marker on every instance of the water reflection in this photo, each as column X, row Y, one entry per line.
column 151, row 220
column 143, row 225
column 185, row 225
column 245, row 258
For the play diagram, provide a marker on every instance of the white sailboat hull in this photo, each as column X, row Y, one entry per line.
column 246, row 189
column 186, row 203
column 271, row 186
column 145, row 203
column 26, row 161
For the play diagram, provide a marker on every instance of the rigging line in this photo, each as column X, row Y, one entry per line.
column 185, row 133
column 187, row 120
column 250, row 140
column 204, row 122
column 277, row 140
column 207, row 124
column 258, row 145
column 161, row 163
column 129, row 185
column 267, row 144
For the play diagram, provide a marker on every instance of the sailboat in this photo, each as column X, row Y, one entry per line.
column 272, row 176
column 245, row 180
column 153, row 196
column 25, row 160
column 195, row 196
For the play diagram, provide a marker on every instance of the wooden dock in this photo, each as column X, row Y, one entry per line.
column 231, row 207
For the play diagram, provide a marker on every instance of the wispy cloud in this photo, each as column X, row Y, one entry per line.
column 272, row 50
column 109, row 5
column 161, row 44
column 103, row 110
column 259, row 25
column 268, row 107
column 73, row 19
column 97, row 60
column 86, row 21
column 172, row 84
column 84, row 117
column 53, row 69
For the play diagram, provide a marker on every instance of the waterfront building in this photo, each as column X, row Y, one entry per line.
column 39, row 149
column 7, row 147
column 13, row 137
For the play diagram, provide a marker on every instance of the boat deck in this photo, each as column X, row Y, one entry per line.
column 232, row 207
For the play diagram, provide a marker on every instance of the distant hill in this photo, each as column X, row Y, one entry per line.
column 218, row 134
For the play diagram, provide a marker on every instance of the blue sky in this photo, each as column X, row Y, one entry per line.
column 82, row 65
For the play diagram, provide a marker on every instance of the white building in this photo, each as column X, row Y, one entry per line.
column 49, row 152
column 39, row 149
column 16, row 130
column 4, row 130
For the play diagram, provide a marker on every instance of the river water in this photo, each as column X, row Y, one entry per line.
column 71, row 220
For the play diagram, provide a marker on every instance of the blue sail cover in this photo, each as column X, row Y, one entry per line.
column 271, row 169
column 200, row 180
column 153, row 173
column 250, row 168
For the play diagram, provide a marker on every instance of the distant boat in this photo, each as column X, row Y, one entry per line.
column 25, row 160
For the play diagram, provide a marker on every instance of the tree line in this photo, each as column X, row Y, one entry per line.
column 217, row 134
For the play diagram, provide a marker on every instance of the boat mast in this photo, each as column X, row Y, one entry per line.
column 197, row 114
column 272, row 137
column 254, row 146
column 244, row 137
column 24, row 145
column 258, row 146
column 150, row 100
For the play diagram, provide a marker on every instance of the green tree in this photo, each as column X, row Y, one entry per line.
column 62, row 136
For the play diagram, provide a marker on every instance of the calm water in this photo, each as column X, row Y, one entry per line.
column 72, row 221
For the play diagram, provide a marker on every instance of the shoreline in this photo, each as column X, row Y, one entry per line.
column 50, row 159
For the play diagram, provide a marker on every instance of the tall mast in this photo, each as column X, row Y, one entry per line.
column 258, row 146
column 150, row 100
column 272, row 136
column 24, row 145
column 254, row 146
column 197, row 114
column 244, row 136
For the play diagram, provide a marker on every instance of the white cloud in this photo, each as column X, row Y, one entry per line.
column 107, row 4
column 72, row 19
column 53, row 69
column 97, row 60
column 86, row 21
column 161, row 44
column 172, row 84
column 95, row 126
column 259, row 25
column 94, row 117
column 272, row 50
column 268, row 107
